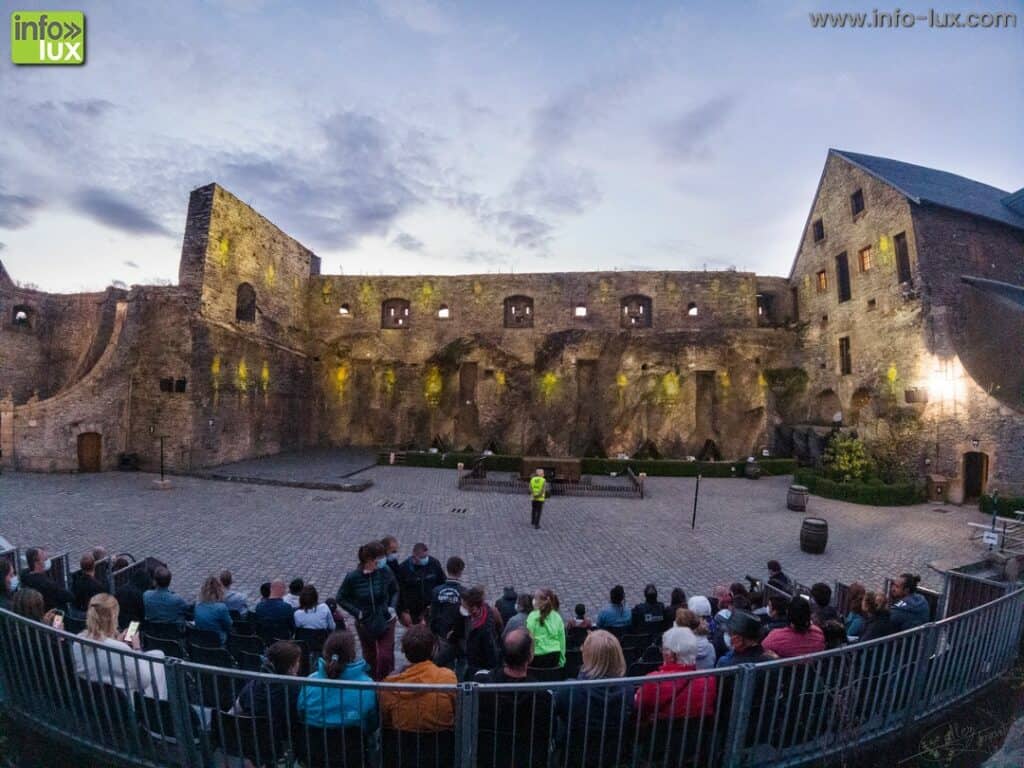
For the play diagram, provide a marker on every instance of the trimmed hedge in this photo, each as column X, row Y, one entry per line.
column 679, row 468
column 653, row 467
column 1004, row 508
column 874, row 493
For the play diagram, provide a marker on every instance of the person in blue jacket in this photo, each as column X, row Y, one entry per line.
column 908, row 608
column 211, row 613
column 323, row 706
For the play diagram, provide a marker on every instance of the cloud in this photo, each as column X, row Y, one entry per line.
column 16, row 210
column 523, row 230
column 407, row 242
column 107, row 208
column 129, row 263
column 556, row 188
column 88, row 107
column 419, row 15
column 687, row 137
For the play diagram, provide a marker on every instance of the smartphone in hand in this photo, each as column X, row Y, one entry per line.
column 131, row 632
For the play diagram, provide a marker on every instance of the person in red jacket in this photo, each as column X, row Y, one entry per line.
column 677, row 697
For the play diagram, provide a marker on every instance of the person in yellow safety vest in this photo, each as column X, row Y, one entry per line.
column 538, row 492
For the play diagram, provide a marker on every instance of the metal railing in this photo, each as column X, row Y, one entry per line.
column 147, row 709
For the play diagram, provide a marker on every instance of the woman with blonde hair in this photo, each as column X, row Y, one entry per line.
column 108, row 659
column 212, row 613
column 546, row 627
column 589, row 713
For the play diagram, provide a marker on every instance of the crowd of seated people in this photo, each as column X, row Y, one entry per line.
column 451, row 632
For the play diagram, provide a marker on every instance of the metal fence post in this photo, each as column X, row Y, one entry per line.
column 739, row 714
column 465, row 729
column 181, row 711
column 922, row 670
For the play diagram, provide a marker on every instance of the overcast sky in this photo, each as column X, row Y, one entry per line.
column 428, row 136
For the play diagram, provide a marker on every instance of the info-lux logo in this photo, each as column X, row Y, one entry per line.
column 48, row 37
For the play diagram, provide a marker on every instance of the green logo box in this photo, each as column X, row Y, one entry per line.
column 48, row 37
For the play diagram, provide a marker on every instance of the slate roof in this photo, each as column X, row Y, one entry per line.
column 927, row 185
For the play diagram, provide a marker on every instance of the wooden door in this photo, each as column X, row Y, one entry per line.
column 90, row 452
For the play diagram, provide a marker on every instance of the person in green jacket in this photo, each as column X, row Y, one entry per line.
column 538, row 492
column 548, row 630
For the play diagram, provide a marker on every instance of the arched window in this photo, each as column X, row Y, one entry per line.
column 22, row 316
column 637, row 312
column 519, row 312
column 245, row 304
column 345, row 311
column 691, row 309
column 394, row 313
column 443, row 313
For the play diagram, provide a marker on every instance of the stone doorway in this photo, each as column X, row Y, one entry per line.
column 90, row 452
column 975, row 475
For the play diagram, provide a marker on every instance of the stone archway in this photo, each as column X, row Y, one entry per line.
column 862, row 407
column 826, row 406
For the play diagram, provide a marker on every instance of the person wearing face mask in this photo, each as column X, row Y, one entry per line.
column 390, row 544
column 370, row 594
column 8, row 584
column 417, row 577
column 37, row 578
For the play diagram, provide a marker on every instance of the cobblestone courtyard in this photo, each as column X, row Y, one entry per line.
column 586, row 545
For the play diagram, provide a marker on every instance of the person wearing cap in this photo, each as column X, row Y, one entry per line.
column 745, row 641
column 418, row 575
column 676, row 697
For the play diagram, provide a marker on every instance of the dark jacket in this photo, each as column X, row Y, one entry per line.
column 83, row 587
column 753, row 655
column 878, row 625
column 416, row 584
column 53, row 595
column 827, row 613
column 648, row 617
column 274, row 613
column 482, row 642
column 445, row 620
column 912, row 611
column 506, row 604
column 594, row 710
column 368, row 596
column 129, row 599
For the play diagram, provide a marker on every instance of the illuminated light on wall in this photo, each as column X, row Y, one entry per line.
column 945, row 381
column 433, row 386
column 341, row 379
column 724, row 380
column 499, row 378
column 389, row 378
column 762, row 382
column 265, row 377
column 547, row 385
column 221, row 254
column 325, row 293
column 242, row 376
column 670, row 387
column 270, row 275
column 215, row 373
column 368, row 296
column 580, row 310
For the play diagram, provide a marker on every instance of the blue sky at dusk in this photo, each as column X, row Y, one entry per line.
column 424, row 136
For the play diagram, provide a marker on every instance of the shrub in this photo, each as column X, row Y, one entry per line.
column 873, row 492
column 1005, row 506
column 846, row 459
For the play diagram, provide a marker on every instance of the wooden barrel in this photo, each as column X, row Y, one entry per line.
column 813, row 535
column 796, row 499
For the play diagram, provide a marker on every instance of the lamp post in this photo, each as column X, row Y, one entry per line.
column 163, row 484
